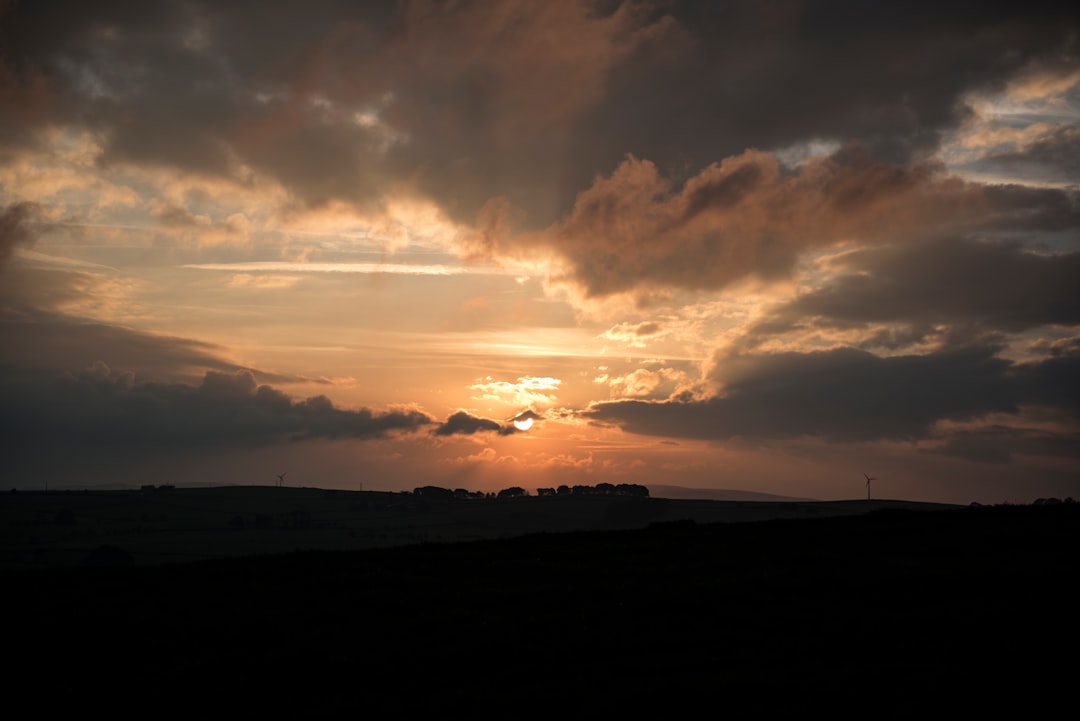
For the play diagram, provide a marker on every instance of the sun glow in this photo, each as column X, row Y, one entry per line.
column 523, row 424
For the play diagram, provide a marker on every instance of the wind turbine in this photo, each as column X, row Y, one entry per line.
column 281, row 478
column 868, row 479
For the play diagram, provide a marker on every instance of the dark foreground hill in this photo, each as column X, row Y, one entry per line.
column 889, row 614
column 170, row 525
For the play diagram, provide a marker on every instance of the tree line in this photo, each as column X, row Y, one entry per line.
column 600, row 489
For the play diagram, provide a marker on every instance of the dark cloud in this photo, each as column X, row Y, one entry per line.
column 1000, row 444
column 1053, row 157
column 839, row 395
column 54, row 343
column 29, row 289
column 190, row 86
column 469, row 97
column 465, row 424
column 105, row 410
column 16, row 230
column 1053, row 382
column 768, row 75
column 1061, row 347
column 491, row 95
column 1022, row 208
column 959, row 282
column 26, row 98
column 528, row 415
column 462, row 423
column 467, row 101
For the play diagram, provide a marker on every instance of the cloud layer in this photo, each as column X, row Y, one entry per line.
column 846, row 395
column 955, row 285
column 741, row 223
column 468, row 101
column 102, row 409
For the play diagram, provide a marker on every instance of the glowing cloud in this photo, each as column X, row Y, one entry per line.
column 527, row 391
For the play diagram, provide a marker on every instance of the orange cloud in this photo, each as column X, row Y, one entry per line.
column 745, row 216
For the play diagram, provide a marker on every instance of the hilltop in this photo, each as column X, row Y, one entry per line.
column 166, row 524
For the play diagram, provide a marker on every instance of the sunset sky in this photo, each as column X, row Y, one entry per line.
column 767, row 246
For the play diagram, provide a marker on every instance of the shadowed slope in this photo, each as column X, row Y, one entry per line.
column 892, row 611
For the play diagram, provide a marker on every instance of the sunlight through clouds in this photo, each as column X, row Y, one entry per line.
column 670, row 242
column 527, row 391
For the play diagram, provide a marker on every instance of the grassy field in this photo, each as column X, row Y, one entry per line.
column 63, row 528
column 893, row 613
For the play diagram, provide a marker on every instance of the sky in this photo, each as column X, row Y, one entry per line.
column 767, row 246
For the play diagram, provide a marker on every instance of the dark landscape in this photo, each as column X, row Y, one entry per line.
column 597, row 607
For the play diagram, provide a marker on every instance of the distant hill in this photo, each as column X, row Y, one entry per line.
column 716, row 494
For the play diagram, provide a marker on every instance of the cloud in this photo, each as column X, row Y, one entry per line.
column 341, row 101
column 685, row 163
column 364, row 268
column 466, row 424
column 634, row 334
column 226, row 410
column 1054, row 156
column 1024, row 129
column 54, row 343
column 1025, row 209
column 528, row 415
column 769, row 76
column 234, row 230
column 262, row 282
column 745, row 217
column 1054, row 381
column 646, row 383
column 463, row 102
column 502, row 86
column 15, row 230
column 463, row 423
column 25, row 95
column 527, row 391
column 999, row 444
column 958, row 282
column 839, row 395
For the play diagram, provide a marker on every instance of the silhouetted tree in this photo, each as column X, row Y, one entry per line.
column 545, row 491
column 563, row 490
column 433, row 492
column 632, row 489
column 512, row 492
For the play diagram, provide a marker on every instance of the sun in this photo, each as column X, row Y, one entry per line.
column 523, row 424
